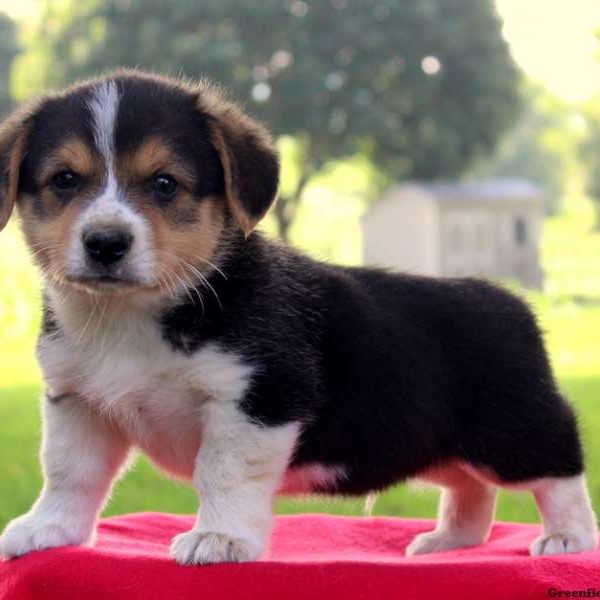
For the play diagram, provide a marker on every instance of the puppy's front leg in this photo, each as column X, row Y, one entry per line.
column 81, row 454
column 238, row 469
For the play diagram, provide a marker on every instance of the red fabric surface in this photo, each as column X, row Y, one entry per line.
column 311, row 556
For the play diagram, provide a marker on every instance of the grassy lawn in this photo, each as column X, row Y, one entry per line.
column 569, row 312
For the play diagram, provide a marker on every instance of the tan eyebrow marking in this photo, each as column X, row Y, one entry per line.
column 73, row 154
column 155, row 155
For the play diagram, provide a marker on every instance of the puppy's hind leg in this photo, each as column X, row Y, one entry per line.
column 466, row 512
column 534, row 445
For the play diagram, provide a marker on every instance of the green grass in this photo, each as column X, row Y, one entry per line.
column 569, row 312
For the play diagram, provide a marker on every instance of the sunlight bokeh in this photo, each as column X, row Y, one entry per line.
column 555, row 43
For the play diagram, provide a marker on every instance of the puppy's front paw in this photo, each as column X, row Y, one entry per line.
column 37, row 532
column 198, row 548
column 565, row 542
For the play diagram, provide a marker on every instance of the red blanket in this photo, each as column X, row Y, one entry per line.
column 311, row 556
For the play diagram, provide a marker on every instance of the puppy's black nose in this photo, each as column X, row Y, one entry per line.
column 107, row 246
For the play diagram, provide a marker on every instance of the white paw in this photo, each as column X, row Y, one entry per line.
column 565, row 542
column 38, row 532
column 198, row 548
column 438, row 541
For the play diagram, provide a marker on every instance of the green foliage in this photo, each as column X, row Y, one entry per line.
column 590, row 154
column 8, row 50
column 541, row 147
column 420, row 87
column 590, row 150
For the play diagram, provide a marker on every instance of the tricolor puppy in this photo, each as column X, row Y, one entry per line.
column 244, row 366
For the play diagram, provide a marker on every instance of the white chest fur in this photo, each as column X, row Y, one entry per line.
column 117, row 361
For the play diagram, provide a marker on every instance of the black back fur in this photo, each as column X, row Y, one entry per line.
column 390, row 374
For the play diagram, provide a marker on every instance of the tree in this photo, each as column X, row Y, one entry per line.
column 8, row 50
column 590, row 154
column 421, row 87
column 589, row 150
column 540, row 147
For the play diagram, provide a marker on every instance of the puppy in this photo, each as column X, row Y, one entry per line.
column 244, row 366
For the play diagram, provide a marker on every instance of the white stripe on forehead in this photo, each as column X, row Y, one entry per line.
column 110, row 208
column 104, row 106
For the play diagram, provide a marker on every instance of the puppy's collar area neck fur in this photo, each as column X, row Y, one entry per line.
column 197, row 313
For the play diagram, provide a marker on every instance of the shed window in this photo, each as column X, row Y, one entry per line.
column 520, row 231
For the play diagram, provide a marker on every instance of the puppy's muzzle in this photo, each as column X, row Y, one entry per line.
column 107, row 246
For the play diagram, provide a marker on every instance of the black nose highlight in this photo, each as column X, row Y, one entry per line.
column 107, row 246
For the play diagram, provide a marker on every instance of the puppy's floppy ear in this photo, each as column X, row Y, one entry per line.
column 13, row 139
column 248, row 155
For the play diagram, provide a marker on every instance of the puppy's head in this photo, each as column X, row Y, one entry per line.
column 133, row 182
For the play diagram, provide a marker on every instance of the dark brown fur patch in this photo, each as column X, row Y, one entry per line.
column 248, row 155
column 13, row 142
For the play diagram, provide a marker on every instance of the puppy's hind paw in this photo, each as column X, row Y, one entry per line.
column 198, row 548
column 564, row 543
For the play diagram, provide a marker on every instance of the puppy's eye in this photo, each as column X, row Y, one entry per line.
column 164, row 185
column 65, row 180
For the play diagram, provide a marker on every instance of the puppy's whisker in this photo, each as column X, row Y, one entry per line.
column 170, row 284
column 185, row 284
column 184, row 281
column 114, row 315
column 210, row 264
column 40, row 250
column 90, row 317
column 177, row 284
column 203, row 280
column 100, row 320
column 193, row 286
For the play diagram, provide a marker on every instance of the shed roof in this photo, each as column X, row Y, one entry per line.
column 490, row 192
column 484, row 190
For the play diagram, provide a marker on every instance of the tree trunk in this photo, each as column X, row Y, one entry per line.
column 286, row 207
column 280, row 212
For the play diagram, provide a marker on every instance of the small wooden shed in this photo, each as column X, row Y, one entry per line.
column 488, row 228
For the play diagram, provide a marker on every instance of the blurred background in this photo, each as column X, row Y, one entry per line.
column 450, row 137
